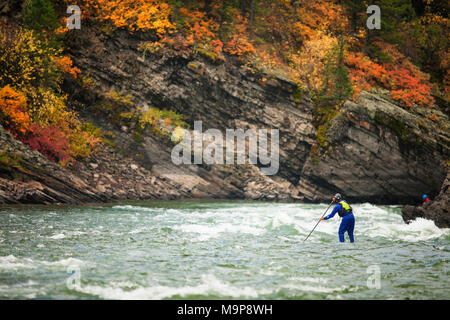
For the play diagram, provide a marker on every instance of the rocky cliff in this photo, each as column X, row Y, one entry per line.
column 377, row 151
column 373, row 149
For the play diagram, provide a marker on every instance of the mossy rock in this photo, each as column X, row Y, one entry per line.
column 378, row 119
column 400, row 128
column 298, row 94
column 210, row 56
column 138, row 138
column 10, row 161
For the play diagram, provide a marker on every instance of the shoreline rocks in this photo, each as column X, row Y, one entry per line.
column 436, row 209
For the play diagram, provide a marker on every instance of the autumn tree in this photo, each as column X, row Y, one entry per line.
column 33, row 104
column 239, row 43
column 135, row 15
column 13, row 111
column 311, row 60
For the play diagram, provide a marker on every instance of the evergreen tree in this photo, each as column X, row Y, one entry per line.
column 336, row 85
column 40, row 15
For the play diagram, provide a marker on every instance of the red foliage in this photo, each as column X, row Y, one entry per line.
column 50, row 141
column 364, row 73
column 409, row 89
column 406, row 83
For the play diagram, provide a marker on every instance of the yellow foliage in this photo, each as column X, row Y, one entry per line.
column 26, row 60
column 36, row 110
column 311, row 60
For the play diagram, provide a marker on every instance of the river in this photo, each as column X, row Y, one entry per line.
column 217, row 250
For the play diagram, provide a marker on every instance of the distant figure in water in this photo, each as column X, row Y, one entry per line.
column 348, row 219
column 425, row 199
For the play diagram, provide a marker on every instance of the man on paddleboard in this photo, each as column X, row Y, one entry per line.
column 348, row 219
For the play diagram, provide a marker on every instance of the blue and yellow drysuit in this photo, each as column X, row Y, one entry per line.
column 348, row 220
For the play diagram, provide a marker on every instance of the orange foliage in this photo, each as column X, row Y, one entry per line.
column 38, row 113
column 200, row 31
column 363, row 72
column 293, row 22
column 311, row 60
column 65, row 64
column 13, row 111
column 134, row 14
column 433, row 117
column 217, row 46
column 178, row 43
column 239, row 43
column 405, row 81
column 198, row 26
column 409, row 89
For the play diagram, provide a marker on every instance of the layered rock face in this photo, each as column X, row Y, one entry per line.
column 375, row 150
column 222, row 96
column 378, row 152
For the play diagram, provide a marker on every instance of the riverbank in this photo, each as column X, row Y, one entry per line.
column 370, row 150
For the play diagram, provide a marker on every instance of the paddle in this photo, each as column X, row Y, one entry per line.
column 318, row 221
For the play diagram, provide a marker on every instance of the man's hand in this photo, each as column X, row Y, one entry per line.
column 322, row 218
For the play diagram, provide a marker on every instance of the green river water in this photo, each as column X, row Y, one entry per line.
column 217, row 250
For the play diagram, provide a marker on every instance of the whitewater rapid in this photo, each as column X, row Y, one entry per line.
column 228, row 250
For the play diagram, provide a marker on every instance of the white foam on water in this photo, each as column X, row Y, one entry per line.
column 315, row 288
column 65, row 262
column 310, row 284
column 209, row 285
column 138, row 230
column 308, row 279
column 11, row 262
column 371, row 220
column 282, row 218
column 211, row 231
column 58, row 236
column 25, row 290
column 77, row 233
column 136, row 209
column 419, row 229
column 375, row 221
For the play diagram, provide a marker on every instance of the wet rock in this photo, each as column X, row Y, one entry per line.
column 436, row 209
